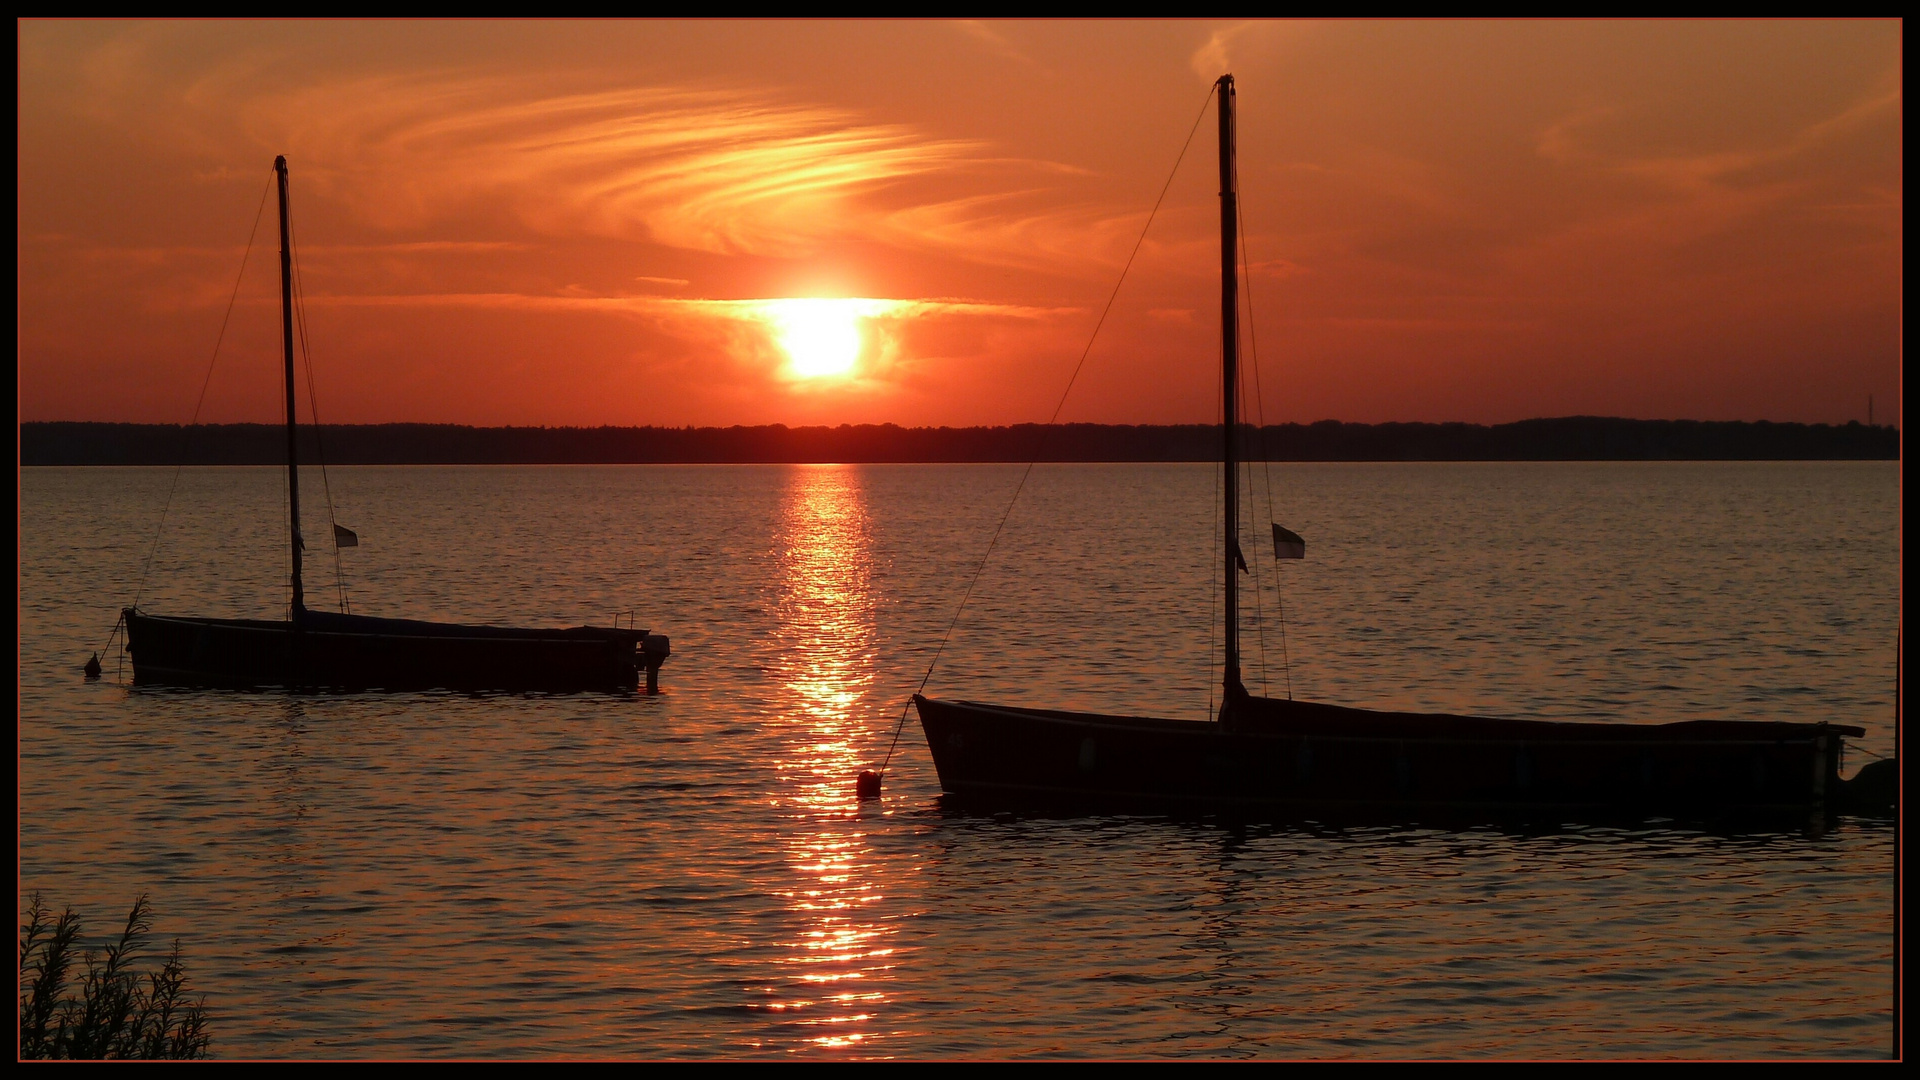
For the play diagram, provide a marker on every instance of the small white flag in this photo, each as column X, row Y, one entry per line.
column 1287, row 544
column 345, row 537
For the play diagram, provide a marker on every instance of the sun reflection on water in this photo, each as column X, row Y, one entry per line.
column 836, row 966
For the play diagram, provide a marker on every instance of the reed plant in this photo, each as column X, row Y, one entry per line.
column 119, row 1012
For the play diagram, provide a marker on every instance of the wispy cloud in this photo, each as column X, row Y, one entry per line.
column 995, row 41
column 715, row 169
column 1577, row 139
column 419, row 247
column 746, row 332
column 703, row 169
column 1212, row 59
column 1240, row 42
column 747, row 310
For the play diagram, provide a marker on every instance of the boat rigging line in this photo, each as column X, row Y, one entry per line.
column 868, row 785
column 1259, row 611
column 1219, row 527
column 1266, row 457
column 186, row 436
column 313, row 401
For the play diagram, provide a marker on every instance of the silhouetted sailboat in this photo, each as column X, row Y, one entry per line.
column 318, row 649
column 1300, row 759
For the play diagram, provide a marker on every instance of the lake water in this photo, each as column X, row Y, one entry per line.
column 690, row 875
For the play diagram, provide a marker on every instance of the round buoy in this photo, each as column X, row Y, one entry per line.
column 93, row 666
column 868, row 786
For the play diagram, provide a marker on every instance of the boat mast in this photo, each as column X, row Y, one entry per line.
column 1229, row 362
column 286, row 336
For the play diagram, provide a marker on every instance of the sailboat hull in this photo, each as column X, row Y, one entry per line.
column 1295, row 760
column 344, row 652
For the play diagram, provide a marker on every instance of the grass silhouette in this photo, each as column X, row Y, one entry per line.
column 119, row 1012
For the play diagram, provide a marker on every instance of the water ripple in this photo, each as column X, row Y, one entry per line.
column 690, row 876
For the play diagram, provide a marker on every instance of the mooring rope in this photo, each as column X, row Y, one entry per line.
column 1040, row 442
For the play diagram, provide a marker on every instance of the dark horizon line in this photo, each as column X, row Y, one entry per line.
column 1571, row 438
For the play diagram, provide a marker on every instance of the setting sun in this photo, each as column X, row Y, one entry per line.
column 820, row 337
column 806, row 483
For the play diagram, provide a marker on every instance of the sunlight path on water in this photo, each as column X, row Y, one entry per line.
column 689, row 874
column 832, row 981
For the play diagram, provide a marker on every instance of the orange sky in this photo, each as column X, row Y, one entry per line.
column 578, row 223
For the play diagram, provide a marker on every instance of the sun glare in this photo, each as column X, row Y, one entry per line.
column 820, row 337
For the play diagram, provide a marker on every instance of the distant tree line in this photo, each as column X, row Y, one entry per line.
column 1571, row 438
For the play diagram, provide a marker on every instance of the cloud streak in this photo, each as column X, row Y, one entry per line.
column 702, row 169
column 715, row 169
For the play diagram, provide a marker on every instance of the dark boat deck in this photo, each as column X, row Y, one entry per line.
column 323, row 650
column 1304, row 719
column 1295, row 759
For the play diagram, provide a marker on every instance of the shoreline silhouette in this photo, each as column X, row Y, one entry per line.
column 1573, row 438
